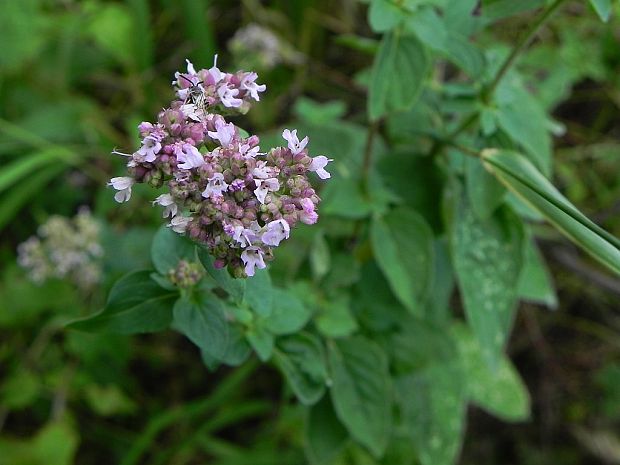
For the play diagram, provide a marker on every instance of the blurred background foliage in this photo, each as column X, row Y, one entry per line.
column 75, row 79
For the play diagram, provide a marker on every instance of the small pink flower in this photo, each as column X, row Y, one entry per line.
column 318, row 165
column 215, row 187
column 263, row 186
column 123, row 186
column 248, row 83
column 179, row 224
column 166, row 201
column 150, row 148
column 224, row 132
column 252, row 258
column 307, row 215
column 277, row 231
column 227, row 95
column 294, row 144
column 190, row 157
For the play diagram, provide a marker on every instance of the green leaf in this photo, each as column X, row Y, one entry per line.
column 22, row 25
column 438, row 305
column 431, row 29
column 108, row 400
column 384, row 15
column 262, row 341
column 501, row 391
column 320, row 259
column 289, row 313
column 111, row 27
column 237, row 350
column 198, row 30
column 345, row 198
column 433, row 405
column 201, row 318
column 361, row 391
column 28, row 187
column 522, row 178
column 484, row 191
column 403, row 248
column 417, row 345
column 535, row 282
column 398, row 74
column 487, row 257
column 523, row 118
column 143, row 36
column 465, row 55
column 336, row 319
column 136, row 304
column 234, row 287
column 259, row 293
column 27, row 164
column 313, row 112
column 325, row 435
column 55, row 444
column 20, row 389
column 602, row 8
column 505, row 8
column 302, row 360
column 168, row 248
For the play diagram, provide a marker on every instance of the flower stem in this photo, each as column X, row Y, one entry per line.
column 367, row 163
column 519, row 47
column 490, row 89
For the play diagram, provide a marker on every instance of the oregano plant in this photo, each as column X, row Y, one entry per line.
column 391, row 314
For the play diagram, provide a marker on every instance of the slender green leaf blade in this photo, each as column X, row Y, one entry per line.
column 522, row 178
column 602, row 8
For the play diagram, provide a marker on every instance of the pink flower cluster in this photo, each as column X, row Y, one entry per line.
column 220, row 189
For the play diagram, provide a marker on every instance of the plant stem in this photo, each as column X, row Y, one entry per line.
column 488, row 91
column 367, row 163
column 227, row 388
column 521, row 45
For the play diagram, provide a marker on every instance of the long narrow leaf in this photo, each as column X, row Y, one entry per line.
column 30, row 163
column 521, row 177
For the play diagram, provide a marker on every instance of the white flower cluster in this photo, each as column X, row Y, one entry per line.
column 64, row 248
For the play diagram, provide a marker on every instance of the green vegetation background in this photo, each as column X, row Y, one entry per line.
column 75, row 79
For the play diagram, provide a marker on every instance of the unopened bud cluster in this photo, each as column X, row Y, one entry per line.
column 64, row 248
column 258, row 46
column 186, row 274
column 220, row 189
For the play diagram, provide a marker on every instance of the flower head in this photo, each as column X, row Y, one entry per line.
column 219, row 188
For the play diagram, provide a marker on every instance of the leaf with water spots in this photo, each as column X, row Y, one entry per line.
column 433, row 406
column 500, row 392
column 487, row 256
